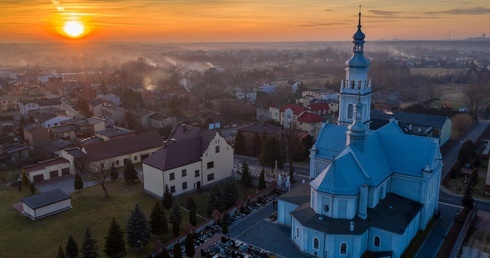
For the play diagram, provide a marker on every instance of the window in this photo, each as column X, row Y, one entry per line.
column 172, row 176
column 196, row 173
column 316, row 243
column 326, row 208
column 377, row 241
column 343, row 248
column 211, row 177
column 210, row 164
column 172, row 189
column 184, row 185
column 216, row 149
column 350, row 111
column 184, row 172
column 117, row 162
column 135, row 157
column 297, row 233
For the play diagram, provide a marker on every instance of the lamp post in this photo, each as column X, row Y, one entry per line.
column 138, row 249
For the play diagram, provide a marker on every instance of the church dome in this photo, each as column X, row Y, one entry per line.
column 357, row 60
column 359, row 35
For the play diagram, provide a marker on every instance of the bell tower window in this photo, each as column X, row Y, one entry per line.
column 350, row 111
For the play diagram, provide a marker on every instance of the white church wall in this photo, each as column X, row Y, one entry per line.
column 283, row 210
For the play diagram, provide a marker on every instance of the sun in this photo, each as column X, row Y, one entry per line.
column 74, row 29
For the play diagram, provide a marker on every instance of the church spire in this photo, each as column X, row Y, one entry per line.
column 356, row 83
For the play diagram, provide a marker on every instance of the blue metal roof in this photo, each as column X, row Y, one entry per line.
column 385, row 152
column 331, row 141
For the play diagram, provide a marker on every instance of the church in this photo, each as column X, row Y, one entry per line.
column 371, row 191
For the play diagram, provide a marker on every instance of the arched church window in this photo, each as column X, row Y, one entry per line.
column 352, row 84
column 359, row 84
column 316, row 243
column 377, row 241
column 343, row 248
column 350, row 111
column 326, row 208
column 297, row 232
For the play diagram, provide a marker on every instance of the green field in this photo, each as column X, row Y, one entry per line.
column 22, row 237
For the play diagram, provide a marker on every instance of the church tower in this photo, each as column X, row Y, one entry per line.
column 356, row 86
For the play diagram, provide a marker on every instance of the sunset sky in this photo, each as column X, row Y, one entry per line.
column 242, row 20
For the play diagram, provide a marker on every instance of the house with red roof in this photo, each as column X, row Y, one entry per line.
column 310, row 122
column 119, row 150
column 190, row 159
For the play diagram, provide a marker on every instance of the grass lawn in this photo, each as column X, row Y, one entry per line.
column 22, row 237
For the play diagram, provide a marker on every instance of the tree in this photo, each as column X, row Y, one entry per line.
column 130, row 174
column 175, row 218
column 224, row 224
column 82, row 106
column 455, row 170
column 71, row 248
column 231, row 190
column 164, row 253
column 191, row 204
column 114, row 241
column 462, row 122
column 466, row 152
column 467, row 201
column 61, row 254
column 190, row 250
column 215, row 199
column 239, row 147
column 193, row 217
column 177, row 250
column 138, row 230
column 78, row 183
column 262, row 183
column 89, row 246
column 474, row 177
column 293, row 145
column 114, row 174
column 25, row 179
column 158, row 220
column 246, row 177
column 33, row 188
column 101, row 170
column 168, row 198
column 271, row 152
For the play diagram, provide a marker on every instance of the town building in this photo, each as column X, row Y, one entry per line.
column 27, row 105
column 48, row 169
column 371, row 190
column 45, row 204
column 192, row 158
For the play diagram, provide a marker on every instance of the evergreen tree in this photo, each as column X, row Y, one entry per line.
column 177, row 250
column 61, row 254
column 190, row 250
column 231, row 190
column 33, row 188
column 158, row 220
column 71, row 248
column 164, row 253
column 467, row 201
column 89, row 246
column 224, row 224
column 239, row 147
column 114, row 174
column 215, row 199
column 175, row 218
column 114, row 241
column 191, row 204
column 466, row 152
column 130, row 174
column 168, row 198
column 138, row 230
column 474, row 177
column 262, row 183
column 246, row 177
column 271, row 152
column 25, row 179
column 78, row 184
column 193, row 217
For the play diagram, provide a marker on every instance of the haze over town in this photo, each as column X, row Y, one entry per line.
column 282, row 119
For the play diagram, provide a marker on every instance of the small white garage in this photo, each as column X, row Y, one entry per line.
column 45, row 204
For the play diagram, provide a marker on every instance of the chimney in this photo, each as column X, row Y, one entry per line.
column 363, row 201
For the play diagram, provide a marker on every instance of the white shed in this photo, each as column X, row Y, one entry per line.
column 45, row 204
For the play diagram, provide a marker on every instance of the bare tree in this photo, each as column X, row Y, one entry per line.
column 462, row 122
column 101, row 170
column 291, row 134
